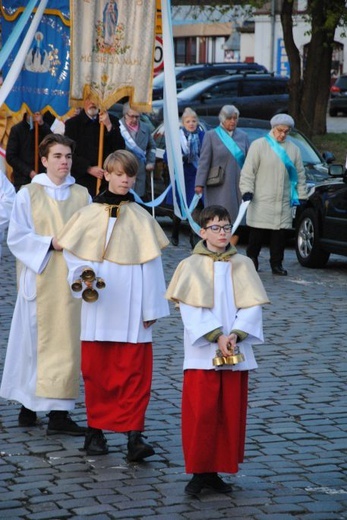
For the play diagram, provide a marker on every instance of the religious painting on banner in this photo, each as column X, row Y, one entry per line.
column 112, row 51
column 44, row 81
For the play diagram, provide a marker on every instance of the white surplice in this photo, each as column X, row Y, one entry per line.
column 198, row 321
column 7, row 195
column 32, row 250
column 133, row 294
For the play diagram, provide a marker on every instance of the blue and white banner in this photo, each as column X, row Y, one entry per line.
column 40, row 69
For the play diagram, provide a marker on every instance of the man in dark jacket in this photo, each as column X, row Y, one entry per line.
column 20, row 150
column 84, row 129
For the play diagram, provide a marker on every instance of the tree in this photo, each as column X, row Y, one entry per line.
column 308, row 88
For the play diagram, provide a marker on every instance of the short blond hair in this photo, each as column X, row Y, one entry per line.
column 126, row 159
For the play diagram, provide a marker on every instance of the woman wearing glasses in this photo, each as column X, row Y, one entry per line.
column 138, row 140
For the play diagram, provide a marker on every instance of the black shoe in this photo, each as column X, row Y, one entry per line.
column 206, row 480
column 138, row 449
column 61, row 422
column 278, row 269
column 174, row 241
column 95, row 442
column 26, row 417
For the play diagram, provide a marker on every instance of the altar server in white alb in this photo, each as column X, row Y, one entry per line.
column 220, row 297
column 116, row 240
column 7, row 195
column 42, row 365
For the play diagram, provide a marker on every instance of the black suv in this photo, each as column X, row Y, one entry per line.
column 188, row 75
column 321, row 225
column 258, row 96
column 338, row 96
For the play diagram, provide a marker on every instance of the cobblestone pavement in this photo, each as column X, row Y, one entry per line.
column 296, row 448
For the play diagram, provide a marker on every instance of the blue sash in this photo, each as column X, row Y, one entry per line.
column 233, row 148
column 293, row 174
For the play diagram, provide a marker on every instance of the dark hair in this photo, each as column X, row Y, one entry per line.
column 53, row 139
column 210, row 212
column 126, row 159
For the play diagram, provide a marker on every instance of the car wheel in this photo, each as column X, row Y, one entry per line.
column 332, row 112
column 308, row 251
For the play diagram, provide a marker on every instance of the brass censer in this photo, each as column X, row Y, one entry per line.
column 88, row 278
column 234, row 358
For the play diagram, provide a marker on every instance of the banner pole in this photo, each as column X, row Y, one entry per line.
column 101, row 153
column 36, row 161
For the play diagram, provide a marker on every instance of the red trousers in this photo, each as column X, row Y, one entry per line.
column 117, row 379
column 214, row 410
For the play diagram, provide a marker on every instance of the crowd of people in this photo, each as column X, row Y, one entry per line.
column 77, row 232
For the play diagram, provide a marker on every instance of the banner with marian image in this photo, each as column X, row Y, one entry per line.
column 44, row 81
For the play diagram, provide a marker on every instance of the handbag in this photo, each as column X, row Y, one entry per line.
column 216, row 176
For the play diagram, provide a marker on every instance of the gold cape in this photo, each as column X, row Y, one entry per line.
column 193, row 281
column 58, row 313
column 136, row 237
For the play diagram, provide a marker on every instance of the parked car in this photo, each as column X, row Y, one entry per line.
column 338, row 96
column 255, row 95
column 316, row 164
column 321, row 226
column 190, row 74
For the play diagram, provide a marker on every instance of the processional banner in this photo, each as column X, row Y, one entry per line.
column 44, row 81
column 112, row 51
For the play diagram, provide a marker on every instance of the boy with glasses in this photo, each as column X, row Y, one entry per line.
column 220, row 297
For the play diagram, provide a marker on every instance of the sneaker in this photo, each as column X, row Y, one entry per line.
column 27, row 417
column 61, row 422
column 95, row 442
column 138, row 449
column 206, row 480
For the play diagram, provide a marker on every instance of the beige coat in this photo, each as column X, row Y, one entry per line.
column 265, row 175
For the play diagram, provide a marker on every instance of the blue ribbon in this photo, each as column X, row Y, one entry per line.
column 293, row 174
column 232, row 146
column 16, row 32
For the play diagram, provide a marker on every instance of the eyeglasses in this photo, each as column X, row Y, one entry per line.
column 132, row 117
column 217, row 229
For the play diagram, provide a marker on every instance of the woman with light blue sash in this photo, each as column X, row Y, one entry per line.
column 273, row 179
column 225, row 146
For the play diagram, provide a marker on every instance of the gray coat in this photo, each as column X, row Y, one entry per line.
column 215, row 153
column 145, row 141
column 265, row 175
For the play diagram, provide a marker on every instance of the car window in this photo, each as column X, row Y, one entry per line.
column 308, row 154
column 341, row 82
column 263, row 87
column 225, row 89
column 190, row 77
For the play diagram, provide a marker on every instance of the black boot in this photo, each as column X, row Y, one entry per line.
column 138, row 449
column 26, row 417
column 176, row 224
column 207, row 480
column 279, row 270
column 95, row 442
column 61, row 422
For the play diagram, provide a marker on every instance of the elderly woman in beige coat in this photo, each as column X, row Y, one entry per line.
column 273, row 179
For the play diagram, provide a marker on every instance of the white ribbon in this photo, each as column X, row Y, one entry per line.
column 16, row 68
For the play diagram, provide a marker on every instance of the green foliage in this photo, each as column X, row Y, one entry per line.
column 335, row 143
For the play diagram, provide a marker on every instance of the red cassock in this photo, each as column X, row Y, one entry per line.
column 117, row 378
column 214, row 410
